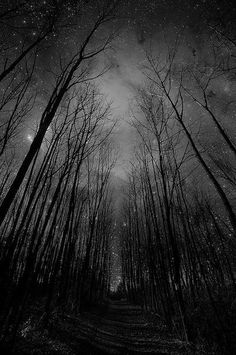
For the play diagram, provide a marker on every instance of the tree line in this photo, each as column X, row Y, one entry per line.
column 55, row 204
column 178, row 229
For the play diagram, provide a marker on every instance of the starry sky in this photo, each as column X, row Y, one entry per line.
column 154, row 24
column 143, row 24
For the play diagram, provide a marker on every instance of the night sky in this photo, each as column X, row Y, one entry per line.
column 142, row 25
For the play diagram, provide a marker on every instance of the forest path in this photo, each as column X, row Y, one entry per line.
column 120, row 328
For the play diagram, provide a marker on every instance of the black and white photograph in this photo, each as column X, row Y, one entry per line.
column 117, row 177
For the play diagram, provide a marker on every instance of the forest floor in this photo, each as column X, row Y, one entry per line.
column 116, row 328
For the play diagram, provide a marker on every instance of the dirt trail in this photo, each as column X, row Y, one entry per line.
column 120, row 328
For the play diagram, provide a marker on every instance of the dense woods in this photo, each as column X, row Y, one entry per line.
column 174, row 224
column 178, row 228
column 55, row 210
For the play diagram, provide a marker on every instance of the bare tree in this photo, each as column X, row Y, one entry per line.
column 65, row 81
